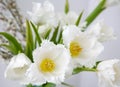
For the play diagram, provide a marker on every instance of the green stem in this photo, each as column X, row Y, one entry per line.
column 95, row 12
column 88, row 69
column 81, row 69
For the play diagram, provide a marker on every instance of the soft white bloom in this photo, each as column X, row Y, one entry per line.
column 17, row 68
column 68, row 19
column 50, row 64
column 111, row 2
column 83, row 48
column 102, row 32
column 109, row 73
column 43, row 14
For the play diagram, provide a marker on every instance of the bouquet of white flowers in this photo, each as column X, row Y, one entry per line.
column 59, row 45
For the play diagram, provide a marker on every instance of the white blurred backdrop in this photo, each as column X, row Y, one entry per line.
column 112, row 48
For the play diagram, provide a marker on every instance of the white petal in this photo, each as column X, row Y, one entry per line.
column 35, row 77
column 36, row 6
column 67, row 19
column 71, row 18
column 107, row 64
column 69, row 33
column 43, row 14
column 45, row 51
column 48, row 6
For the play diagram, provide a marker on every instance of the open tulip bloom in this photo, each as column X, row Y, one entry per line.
column 59, row 45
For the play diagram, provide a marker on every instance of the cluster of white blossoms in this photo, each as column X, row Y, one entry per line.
column 50, row 64
column 61, row 53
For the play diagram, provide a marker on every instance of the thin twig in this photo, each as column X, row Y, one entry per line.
column 15, row 17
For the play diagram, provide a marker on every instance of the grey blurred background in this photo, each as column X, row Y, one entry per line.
column 112, row 48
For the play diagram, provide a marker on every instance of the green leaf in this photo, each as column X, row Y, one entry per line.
column 30, row 85
column 37, row 86
column 54, row 37
column 79, row 19
column 96, row 64
column 36, row 33
column 95, row 12
column 81, row 69
column 60, row 37
column 66, row 7
column 10, row 48
column 29, row 41
column 49, row 85
column 14, row 46
column 47, row 34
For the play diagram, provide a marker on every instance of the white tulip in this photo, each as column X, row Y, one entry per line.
column 109, row 73
column 43, row 14
column 17, row 67
column 68, row 19
column 102, row 32
column 83, row 48
column 50, row 64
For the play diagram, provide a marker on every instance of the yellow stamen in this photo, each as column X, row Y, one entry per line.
column 75, row 49
column 47, row 65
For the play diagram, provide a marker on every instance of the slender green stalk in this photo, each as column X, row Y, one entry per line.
column 81, row 69
column 95, row 12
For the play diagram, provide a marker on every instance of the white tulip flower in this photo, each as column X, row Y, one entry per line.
column 17, row 68
column 83, row 48
column 68, row 19
column 50, row 64
column 109, row 73
column 102, row 32
column 43, row 14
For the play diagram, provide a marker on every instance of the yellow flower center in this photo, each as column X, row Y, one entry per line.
column 47, row 65
column 75, row 49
